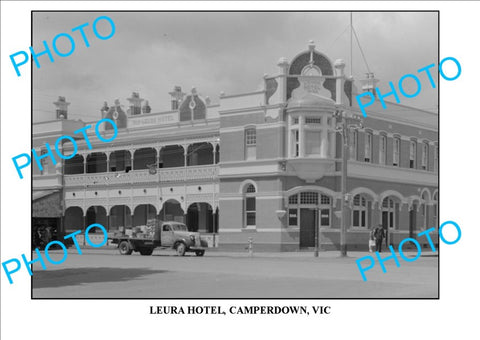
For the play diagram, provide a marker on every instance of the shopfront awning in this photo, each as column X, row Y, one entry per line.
column 42, row 193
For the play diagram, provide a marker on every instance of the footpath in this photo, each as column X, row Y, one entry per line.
column 215, row 252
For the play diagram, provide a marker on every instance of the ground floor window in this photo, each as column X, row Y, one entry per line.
column 389, row 213
column 293, row 217
column 325, row 217
column 360, row 211
column 250, row 210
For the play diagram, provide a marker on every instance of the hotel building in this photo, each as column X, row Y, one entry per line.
column 264, row 165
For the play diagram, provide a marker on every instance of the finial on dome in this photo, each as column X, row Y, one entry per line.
column 282, row 61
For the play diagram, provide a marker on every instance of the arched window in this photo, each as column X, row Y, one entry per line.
column 396, row 151
column 413, row 154
column 435, row 210
column 425, row 156
column 249, row 204
column 368, row 147
column 360, row 211
column 389, row 212
column 382, row 159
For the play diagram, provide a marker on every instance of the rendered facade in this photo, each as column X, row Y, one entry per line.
column 264, row 165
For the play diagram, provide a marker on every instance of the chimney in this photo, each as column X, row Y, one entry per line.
column 135, row 104
column 62, row 108
column 177, row 97
column 104, row 109
column 369, row 84
column 146, row 108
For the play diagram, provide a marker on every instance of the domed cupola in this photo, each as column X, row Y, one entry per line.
column 310, row 116
column 310, row 101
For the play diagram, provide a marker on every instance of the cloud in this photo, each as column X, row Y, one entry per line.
column 217, row 51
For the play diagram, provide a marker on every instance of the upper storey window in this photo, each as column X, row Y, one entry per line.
column 250, row 143
column 353, row 144
column 413, row 154
column 425, row 156
column 396, row 151
column 311, row 136
column 368, row 147
column 382, row 149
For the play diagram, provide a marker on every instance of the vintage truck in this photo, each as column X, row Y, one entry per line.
column 160, row 234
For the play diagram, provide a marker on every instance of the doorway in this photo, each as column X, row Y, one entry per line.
column 307, row 227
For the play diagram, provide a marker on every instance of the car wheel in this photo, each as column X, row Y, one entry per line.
column 181, row 248
column 199, row 252
column 124, row 248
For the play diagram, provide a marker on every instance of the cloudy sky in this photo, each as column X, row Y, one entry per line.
column 151, row 52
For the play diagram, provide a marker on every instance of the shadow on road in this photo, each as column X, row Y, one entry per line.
column 78, row 276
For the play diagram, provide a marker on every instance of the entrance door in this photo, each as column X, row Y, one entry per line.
column 307, row 228
column 385, row 219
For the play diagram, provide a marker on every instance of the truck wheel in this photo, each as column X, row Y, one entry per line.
column 146, row 252
column 181, row 248
column 199, row 252
column 124, row 248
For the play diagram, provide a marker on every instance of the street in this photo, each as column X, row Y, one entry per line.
column 104, row 273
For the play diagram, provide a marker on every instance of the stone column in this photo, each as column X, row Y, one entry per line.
column 85, row 163
column 131, row 158
column 107, row 153
column 185, row 154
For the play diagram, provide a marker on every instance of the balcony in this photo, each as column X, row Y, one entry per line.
column 311, row 169
column 167, row 175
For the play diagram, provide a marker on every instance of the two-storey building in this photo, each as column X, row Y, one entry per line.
column 278, row 178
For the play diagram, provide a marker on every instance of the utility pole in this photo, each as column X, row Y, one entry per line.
column 317, row 232
column 351, row 44
column 343, row 225
column 345, row 122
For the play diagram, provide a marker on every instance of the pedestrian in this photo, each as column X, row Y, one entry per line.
column 41, row 237
column 371, row 240
column 48, row 234
column 379, row 235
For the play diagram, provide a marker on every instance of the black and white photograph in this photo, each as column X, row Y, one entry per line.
column 217, row 163
column 251, row 154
